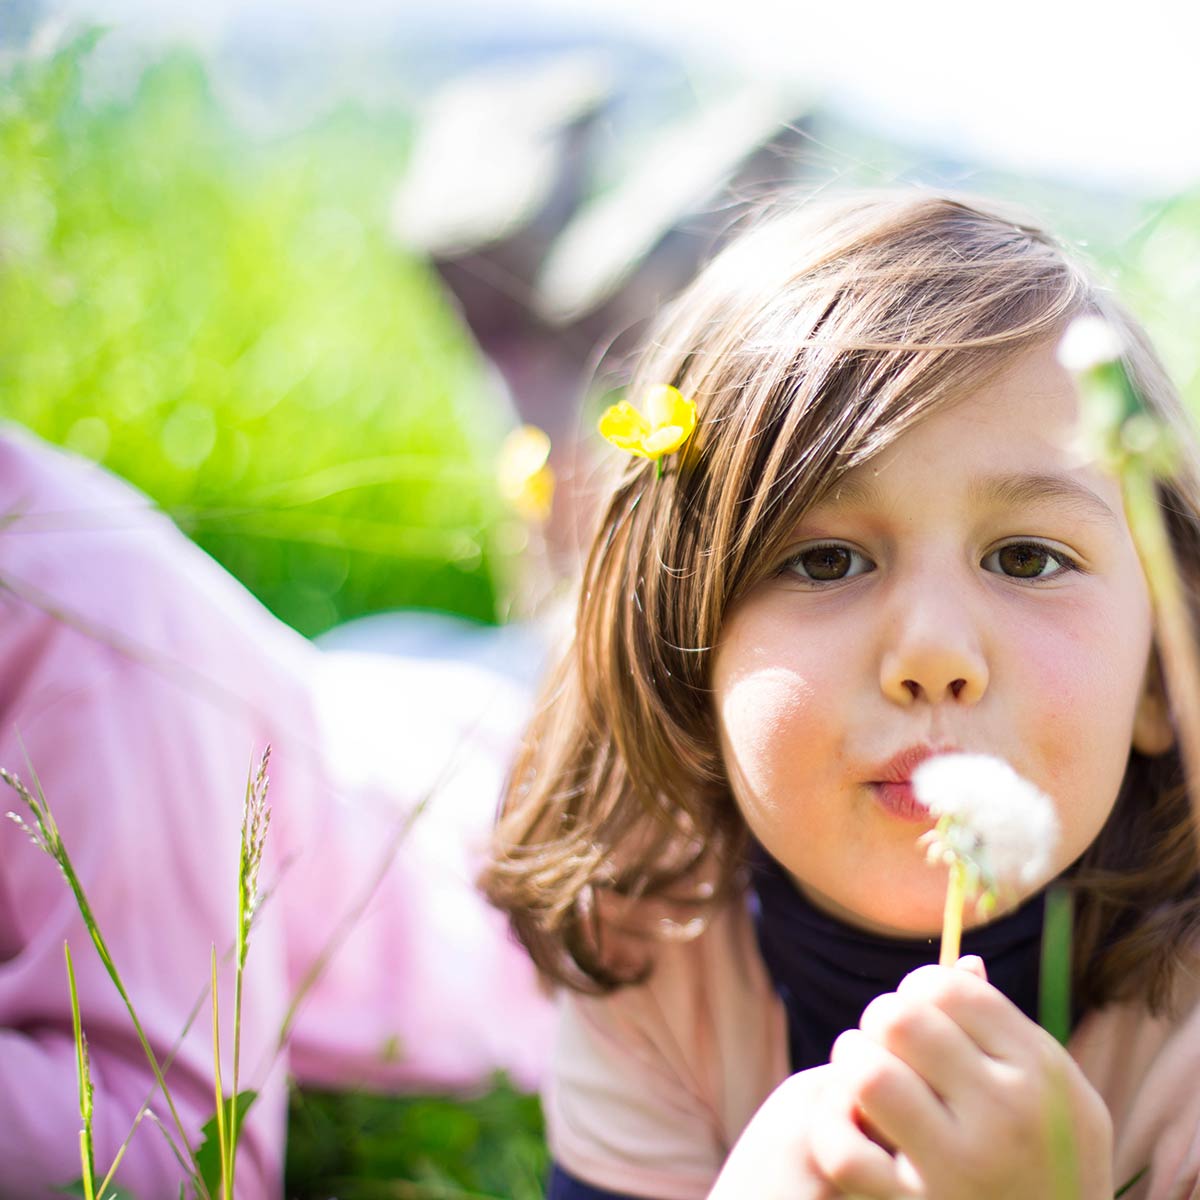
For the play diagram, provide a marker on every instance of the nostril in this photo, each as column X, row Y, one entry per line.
column 956, row 687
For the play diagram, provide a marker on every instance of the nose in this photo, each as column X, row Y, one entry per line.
column 933, row 652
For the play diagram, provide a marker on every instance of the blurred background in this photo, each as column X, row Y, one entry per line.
column 296, row 268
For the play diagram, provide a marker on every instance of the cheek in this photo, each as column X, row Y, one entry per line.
column 1080, row 687
column 775, row 729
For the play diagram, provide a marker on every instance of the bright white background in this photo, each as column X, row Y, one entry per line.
column 1094, row 92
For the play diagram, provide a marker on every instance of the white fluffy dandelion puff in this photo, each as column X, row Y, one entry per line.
column 1089, row 340
column 989, row 815
column 995, row 831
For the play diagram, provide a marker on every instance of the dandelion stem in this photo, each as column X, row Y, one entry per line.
column 1064, row 1168
column 956, row 895
column 1178, row 653
column 1138, row 448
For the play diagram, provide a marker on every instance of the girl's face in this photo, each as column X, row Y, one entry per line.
column 975, row 588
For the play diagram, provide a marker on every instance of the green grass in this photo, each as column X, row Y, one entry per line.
column 368, row 1147
column 225, row 322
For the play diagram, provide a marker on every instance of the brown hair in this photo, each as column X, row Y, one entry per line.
column 808, row 345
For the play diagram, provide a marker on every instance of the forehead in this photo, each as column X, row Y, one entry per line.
column 1013, row 439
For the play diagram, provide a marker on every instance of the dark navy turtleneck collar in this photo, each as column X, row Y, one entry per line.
column 826, row 972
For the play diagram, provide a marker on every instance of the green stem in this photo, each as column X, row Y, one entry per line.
column 53, row 844
column 238, row 970
column 1173, row 624
column 87, row 1152
column 222, row 1139
column 106, row 958
column 1129, row 1183
column 956, row 895
column 1064, row 1163
column 255, row 818
column 1054, row 987
column 102, row 1190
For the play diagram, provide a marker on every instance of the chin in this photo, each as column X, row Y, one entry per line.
column 912, row 917
column 919, row 926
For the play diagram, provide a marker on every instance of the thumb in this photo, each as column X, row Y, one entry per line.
column 974, row 964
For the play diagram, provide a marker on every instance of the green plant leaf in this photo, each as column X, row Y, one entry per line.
column 359, row 1146
column 208, row 1156
column 110, row 1192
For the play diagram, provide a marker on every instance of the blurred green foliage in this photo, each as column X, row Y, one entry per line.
column 224, row 321
column 367, row 1147
column 1157, row 270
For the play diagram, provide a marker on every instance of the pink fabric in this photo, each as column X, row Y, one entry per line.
column 649, row 1088
column 140, row 681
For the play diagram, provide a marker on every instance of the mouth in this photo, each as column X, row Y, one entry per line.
column 900, row 801
column 892, row 786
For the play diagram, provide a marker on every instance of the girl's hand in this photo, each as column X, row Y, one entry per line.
column 774, row 1159
column 976, row 1101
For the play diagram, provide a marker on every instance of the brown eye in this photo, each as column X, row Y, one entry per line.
column 1029, row 560
column 828, row 564
column 1026, row 562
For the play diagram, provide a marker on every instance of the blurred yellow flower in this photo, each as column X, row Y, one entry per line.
column 523, row 472
column 668, row 422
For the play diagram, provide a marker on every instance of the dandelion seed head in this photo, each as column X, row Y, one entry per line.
column 1088, row 342
column 990, row 818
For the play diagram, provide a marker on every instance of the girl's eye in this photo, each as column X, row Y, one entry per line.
column 827, row 563
column 1028, row 560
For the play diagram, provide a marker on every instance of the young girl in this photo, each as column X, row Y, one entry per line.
column 883, row 541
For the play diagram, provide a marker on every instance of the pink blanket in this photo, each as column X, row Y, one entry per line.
column 140, row 681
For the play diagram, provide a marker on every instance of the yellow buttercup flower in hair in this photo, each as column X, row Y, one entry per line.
column 668, row 422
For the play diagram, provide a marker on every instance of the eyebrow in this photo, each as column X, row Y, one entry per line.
column 1013, row 491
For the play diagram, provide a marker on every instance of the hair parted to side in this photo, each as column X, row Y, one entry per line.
column 809, row 344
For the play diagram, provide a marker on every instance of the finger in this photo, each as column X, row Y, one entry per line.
column 853, row 1163
column 974, row 964
column 893, row 1098
column 986, row 1015
column 934, row 1045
